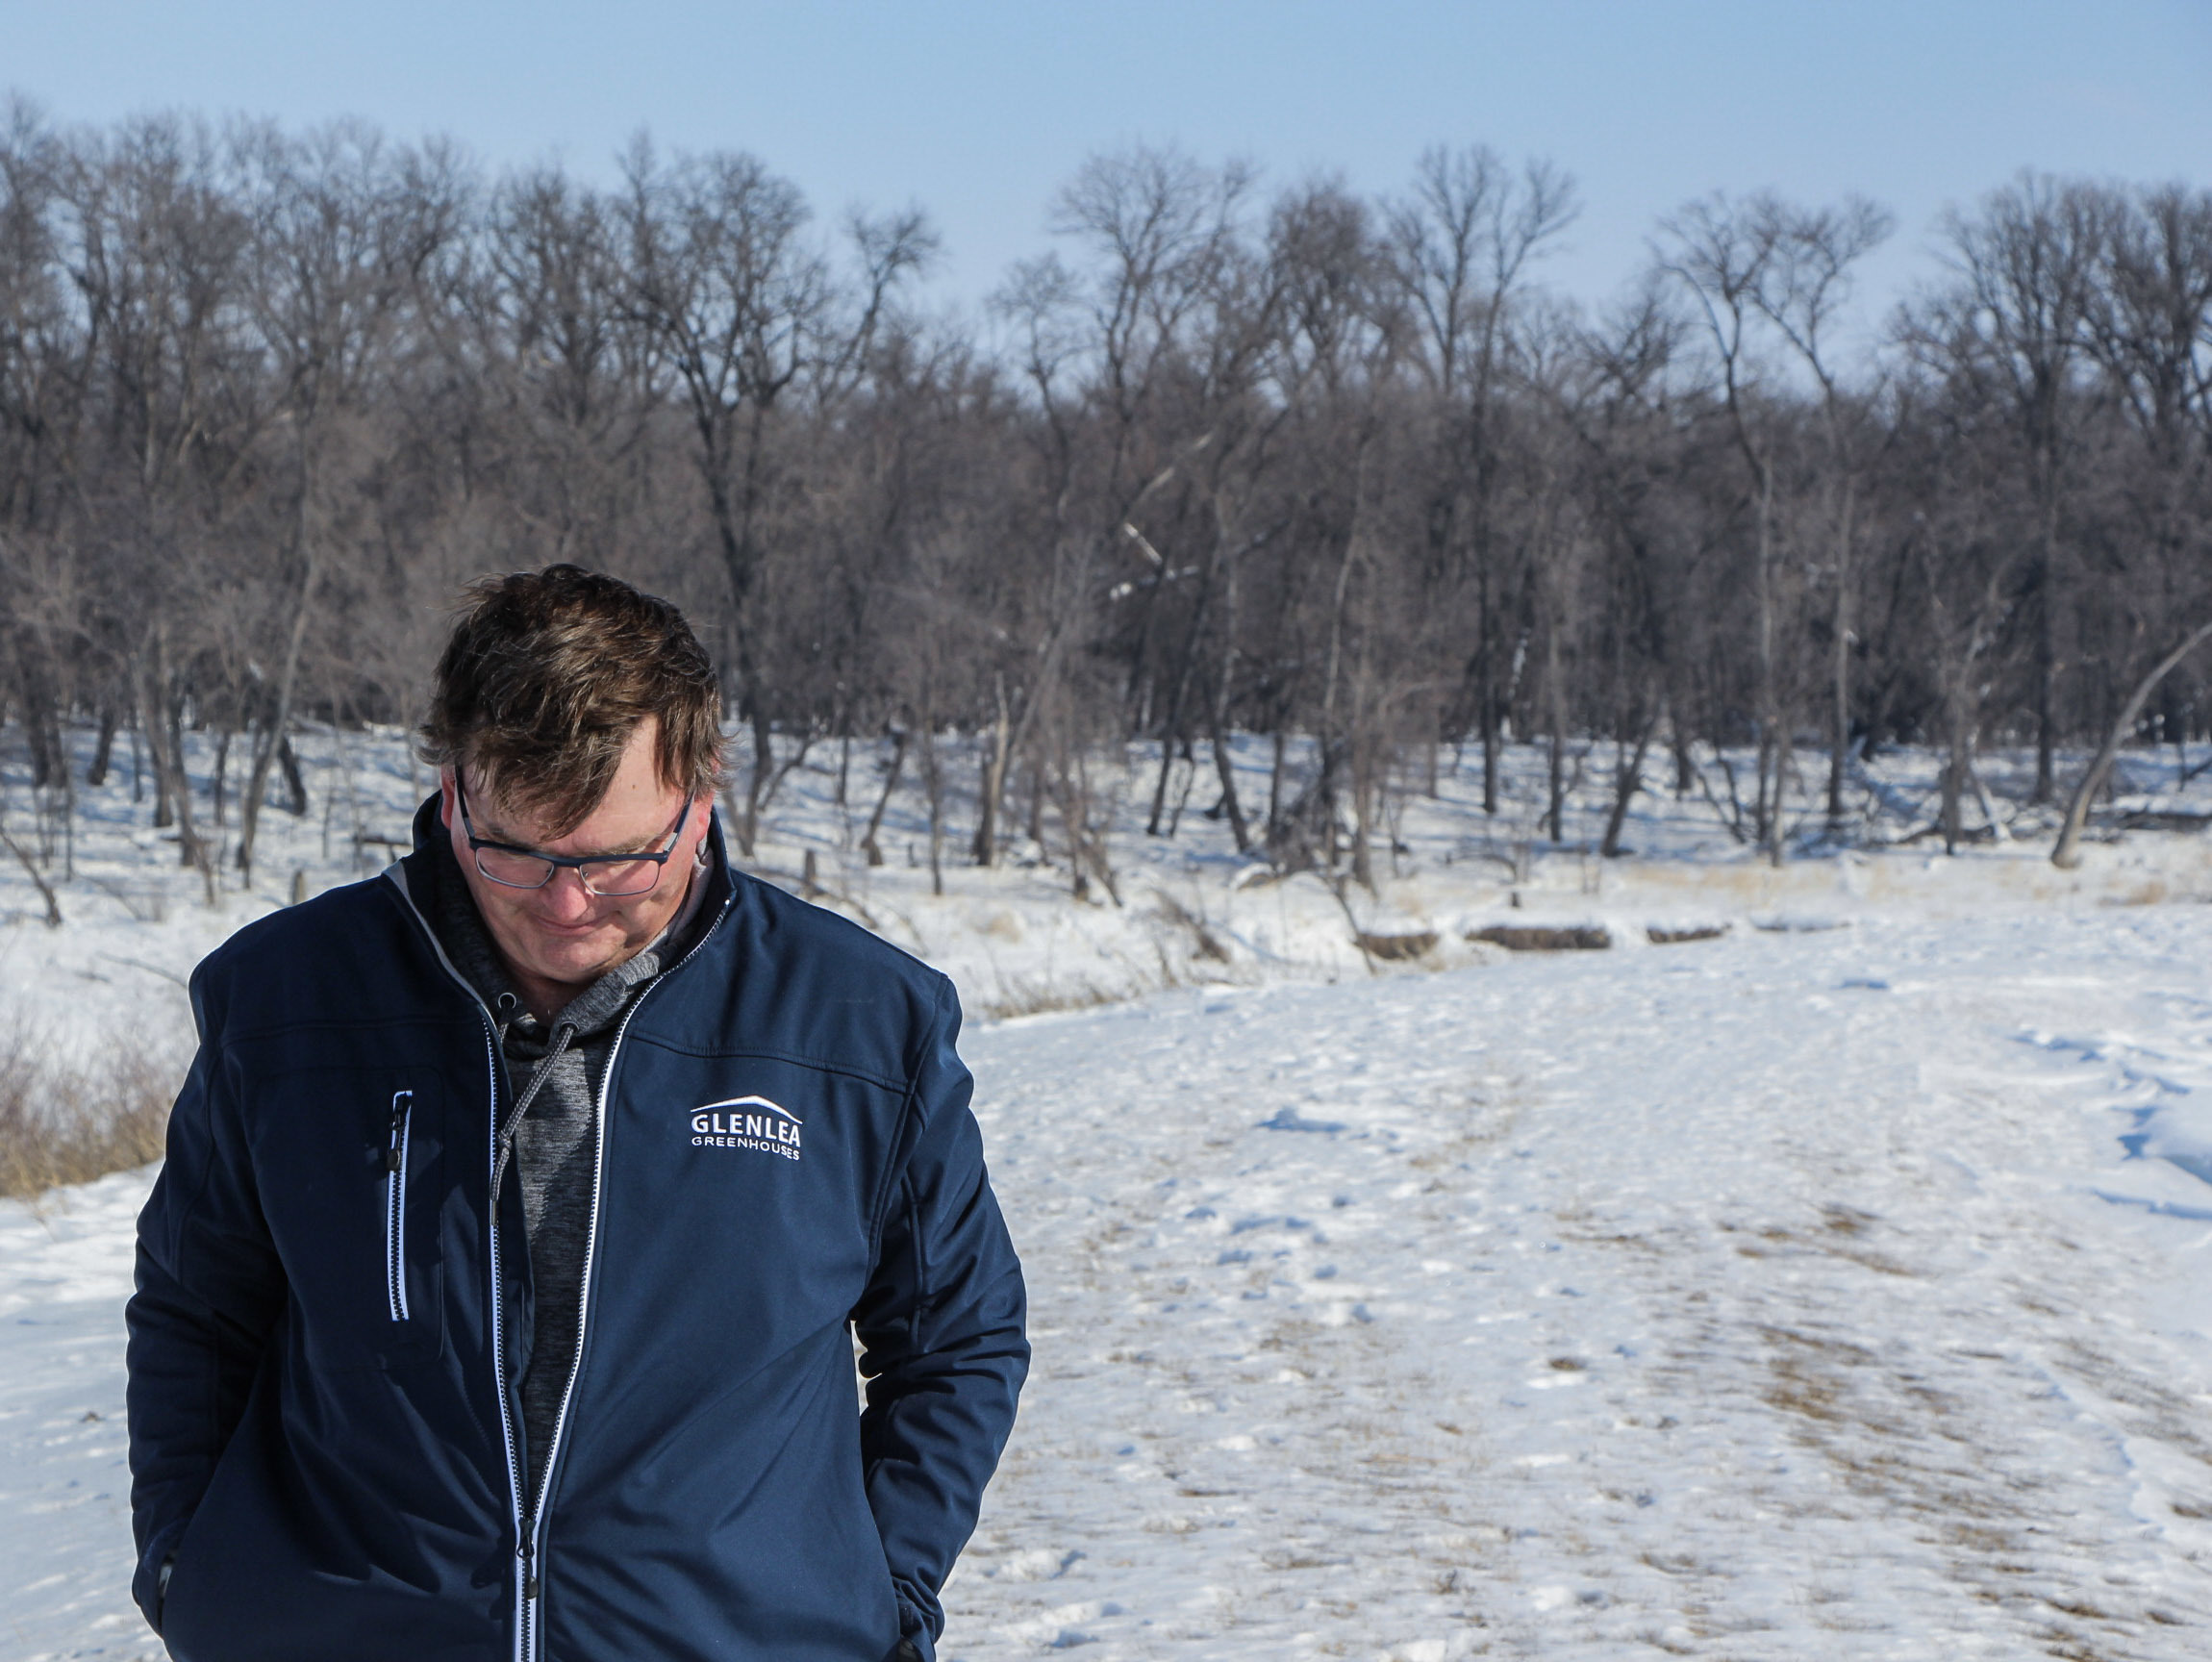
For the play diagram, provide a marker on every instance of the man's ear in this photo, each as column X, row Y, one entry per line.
column 445, row 797
column 695, row 830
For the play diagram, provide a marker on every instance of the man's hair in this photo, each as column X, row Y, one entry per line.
column 547, row 675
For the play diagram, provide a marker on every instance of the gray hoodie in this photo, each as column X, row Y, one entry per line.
column 554, row 1069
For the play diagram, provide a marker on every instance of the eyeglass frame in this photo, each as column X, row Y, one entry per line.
column 556, row 863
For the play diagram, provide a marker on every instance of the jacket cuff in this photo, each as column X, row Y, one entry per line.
column 915, row 1642
column 146, row 1585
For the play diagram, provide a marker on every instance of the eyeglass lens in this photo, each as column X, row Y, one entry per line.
column 611, row 879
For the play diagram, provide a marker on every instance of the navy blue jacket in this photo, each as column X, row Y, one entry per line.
column 329, row 1317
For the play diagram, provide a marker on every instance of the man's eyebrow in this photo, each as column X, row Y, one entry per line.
column 490, row 830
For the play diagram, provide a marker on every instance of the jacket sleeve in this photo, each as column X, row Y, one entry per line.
column 941, row 1330
column 210, row 1288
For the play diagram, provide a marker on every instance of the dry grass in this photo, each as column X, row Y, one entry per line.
column 1397, row 948
column 1025, row 995
column 2148, row 893
column 1204, row 943
column 67, row 1121
column 1536, row 938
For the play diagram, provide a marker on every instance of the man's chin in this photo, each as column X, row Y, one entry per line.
column 572, row 958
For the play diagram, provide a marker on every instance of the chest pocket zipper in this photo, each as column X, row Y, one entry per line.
column 395, row 1207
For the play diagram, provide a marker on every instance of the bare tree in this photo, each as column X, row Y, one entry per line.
column 341, row 232
column 1461, row 249
column 1328, row 469
column 1807, row 281
column 750, row 314
column 1104, row 356
column 2024, row 271
column 1723, row 254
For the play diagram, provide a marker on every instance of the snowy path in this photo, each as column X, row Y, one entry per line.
column 1788, row 1296
column 1746, row 1299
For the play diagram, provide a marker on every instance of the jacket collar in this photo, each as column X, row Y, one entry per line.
column 414, row 879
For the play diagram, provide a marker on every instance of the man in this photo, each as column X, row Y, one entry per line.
column 496, row 1298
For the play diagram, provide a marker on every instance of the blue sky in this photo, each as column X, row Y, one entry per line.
column 978, row 111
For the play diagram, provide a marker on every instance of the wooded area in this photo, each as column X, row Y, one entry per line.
column 1296, row 462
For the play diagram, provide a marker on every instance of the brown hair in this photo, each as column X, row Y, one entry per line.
column 547, row 675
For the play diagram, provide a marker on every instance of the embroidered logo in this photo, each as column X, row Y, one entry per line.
column 747, row 1122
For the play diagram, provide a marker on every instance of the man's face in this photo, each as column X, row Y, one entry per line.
column 562, row 937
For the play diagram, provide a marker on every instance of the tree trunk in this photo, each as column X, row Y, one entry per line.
column 764, row 771
column 1486, row 697
column 163, row 717
column 1363, row 772
column 868, row 842
column 103, row 747
column 1332, row 746
column 278, row 720
column 1275, row 783
column 1767, row 810
column 994, row 782
column 36, row 876
column 2066, row 853
column 1627, row 780
column 1186, row 667
column 41, row 730
column 1956, row 761
column 1785, row 757
column 1840, row 665
column 1160, row 785
column 294, row 784
column 1223, row 769
column 933, row 782
column 1218, row 714
column 2047, row 641
column 1555, row 703
column 164, row 810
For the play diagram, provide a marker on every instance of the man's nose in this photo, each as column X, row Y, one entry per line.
column 563, row 896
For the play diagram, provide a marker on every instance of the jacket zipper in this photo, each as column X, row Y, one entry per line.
column 526, row 1528
column 526, row 1583
column 395, row 1207
column 534, row 1525
column 533, row 1545
column 529, row 1529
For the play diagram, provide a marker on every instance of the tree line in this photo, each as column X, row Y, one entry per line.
column 1336, row 469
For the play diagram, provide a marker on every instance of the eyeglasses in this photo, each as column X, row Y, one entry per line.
column 610, row 876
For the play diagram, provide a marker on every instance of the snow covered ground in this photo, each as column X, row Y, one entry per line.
column 1798, row 1295
column 66, row 1555
column 1835, row 1287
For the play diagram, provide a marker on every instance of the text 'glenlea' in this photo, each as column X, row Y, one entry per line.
column 746, row 1123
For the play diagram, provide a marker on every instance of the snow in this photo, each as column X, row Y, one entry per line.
column 66, row 1556
column 1799, row 1296
column 1834, row 1287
